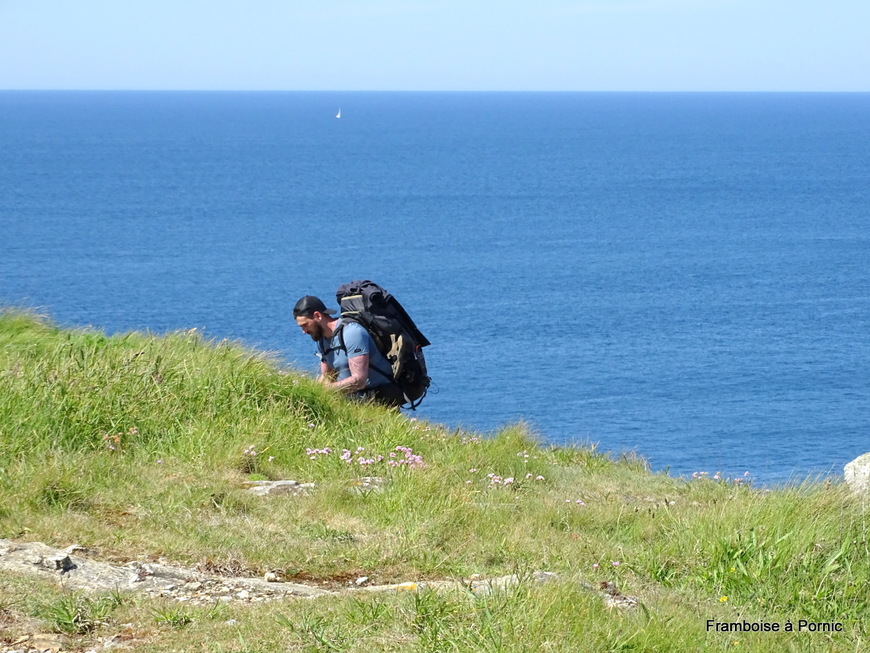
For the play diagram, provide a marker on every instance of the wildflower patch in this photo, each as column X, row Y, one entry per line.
column 399, row 457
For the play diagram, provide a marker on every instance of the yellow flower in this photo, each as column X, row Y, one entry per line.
column 723, row 599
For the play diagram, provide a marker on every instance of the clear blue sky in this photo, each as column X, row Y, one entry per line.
column 573, row 45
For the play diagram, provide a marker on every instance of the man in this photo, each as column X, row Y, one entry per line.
column 350, row 361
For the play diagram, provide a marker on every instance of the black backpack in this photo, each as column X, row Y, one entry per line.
column 394, row 334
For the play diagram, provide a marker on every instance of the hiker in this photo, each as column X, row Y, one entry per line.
column 349, row 359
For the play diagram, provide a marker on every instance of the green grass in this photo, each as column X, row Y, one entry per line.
column 76, row 614
column 139, row 444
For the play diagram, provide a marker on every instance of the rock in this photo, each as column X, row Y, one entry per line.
column 63, row 564
column 46, row 642
column 77, row 549
column 155, row 579
column 857, row 474
column 361, row 485
column 368, row 484
column 476, row 584
column 198, row 588
column 270, row 488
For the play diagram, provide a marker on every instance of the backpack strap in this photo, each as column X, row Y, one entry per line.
column 340, row 331
column 323, row 350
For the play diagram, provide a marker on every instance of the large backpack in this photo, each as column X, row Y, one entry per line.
column 394, row 334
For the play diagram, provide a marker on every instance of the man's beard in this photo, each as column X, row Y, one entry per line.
column 316, row 332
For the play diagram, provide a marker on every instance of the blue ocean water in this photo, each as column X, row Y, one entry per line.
column 682, row 275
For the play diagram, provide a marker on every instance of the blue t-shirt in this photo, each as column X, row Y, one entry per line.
column 357, row 342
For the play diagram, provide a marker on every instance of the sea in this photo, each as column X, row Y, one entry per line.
column 683, row 277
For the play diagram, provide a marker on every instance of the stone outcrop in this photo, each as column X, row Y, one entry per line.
column 274, row 488
column 76, row 569
column 857, row 474
column 297, row 489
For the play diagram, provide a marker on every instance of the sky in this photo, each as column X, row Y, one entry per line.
column 436, row 45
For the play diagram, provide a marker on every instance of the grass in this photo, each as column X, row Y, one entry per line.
column 139, row 445
column 76, row 614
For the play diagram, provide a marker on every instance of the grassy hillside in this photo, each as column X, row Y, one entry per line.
column 139, row 445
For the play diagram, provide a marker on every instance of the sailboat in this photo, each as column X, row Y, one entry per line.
column 338, row 115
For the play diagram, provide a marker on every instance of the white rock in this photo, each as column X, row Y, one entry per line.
column 857, row 474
